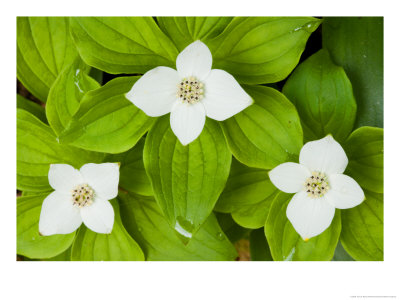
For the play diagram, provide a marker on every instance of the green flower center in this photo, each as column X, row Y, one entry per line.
column 82, row 195
column 190, row 90
column 316, row 185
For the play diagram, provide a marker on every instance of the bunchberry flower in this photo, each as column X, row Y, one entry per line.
column 190, row 93
column 319, row 185
column 80, row 196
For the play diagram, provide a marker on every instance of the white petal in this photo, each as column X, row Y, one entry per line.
column 223, row 96
column 64, row 177
column 289, row 177
column 102, row 178
column 156, row 91
column 324, row 155
column 344, row 191
column 58, row 215
column 309, row 216
column 187, row 121
column 98, row 217
column 194, row 60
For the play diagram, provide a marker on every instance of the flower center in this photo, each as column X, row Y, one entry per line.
column 190, row 90
column 82, row 195
column 316, row 185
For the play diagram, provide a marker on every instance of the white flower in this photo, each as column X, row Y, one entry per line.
column 190, row 93
column 80, row 195
column 319, row 185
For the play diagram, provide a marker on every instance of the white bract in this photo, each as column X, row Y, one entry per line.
column 319, row 185
column 190, row 93
column 80, row 196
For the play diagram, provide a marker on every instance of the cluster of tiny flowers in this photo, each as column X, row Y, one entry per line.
column 82, row 195
column 316, row 185
column 190, row 90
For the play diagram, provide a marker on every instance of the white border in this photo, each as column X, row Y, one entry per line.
column 178, row 280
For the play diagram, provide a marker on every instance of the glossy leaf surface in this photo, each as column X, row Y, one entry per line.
column 185, row 30
column 29, row 242
column 106, row 121
column 37, row 148
column 122, row 44
column 233, row 231
column 145, row 222
column 133, row 177
column 32, row 107
column 263, row 49
column 323, row 97
column 362, row 228
column 44, row 48
column 364, row 148
column 267, row 133
column 186, row 180
column 66, row 93
column 356, row 44
column 248, row 195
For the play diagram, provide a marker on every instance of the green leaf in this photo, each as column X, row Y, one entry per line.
column 248, row 195
column 117, row 246
column 37, row 148
column 340, row 253
column 286, row 244
column 44, row 48
column 122, row 44
column 186, row 180
column 132, row 175
column 364, row 148
column 262, row 49
column 29, row 242
column 266, row 133
column 29, row 193
column 97, row 75
column 356, row 43
column 32, row 107
column 66, row 94
column 185, row 30
column 65, row 256
column 362, row 228
column 233, row 231
column 259, row 248
column 323, row 96
column 145, row 222
column 106, row 121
